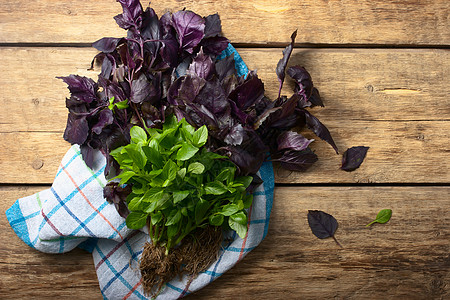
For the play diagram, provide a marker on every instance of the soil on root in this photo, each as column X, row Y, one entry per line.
column 196, row 253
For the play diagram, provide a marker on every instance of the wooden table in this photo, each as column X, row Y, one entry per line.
column 382, row 69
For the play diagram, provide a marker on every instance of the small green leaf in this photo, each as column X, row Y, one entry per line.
column 200, row 136
column 122, row 104
column 155, row 217
column 174, row 217
column 200, row 211
column 236, row 223
column 179, row 196
column 137, row 155
column 248, row 199
column 182, row 172
column 216, row 220
column 245, row 180
column 382, row 217
column 196, row 168
column 239, row 217
column 153, row 156
column 229, row 209
column 138, row 134
column 125, row 176
column 153, row 194
column 186, row 152
column 136, row 220
column 169, row 172
column 215, row 188
column 172, row 231
column 224, row 175
column 111, row 103
column 135, row 204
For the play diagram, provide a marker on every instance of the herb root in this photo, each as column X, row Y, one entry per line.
column 196, row 253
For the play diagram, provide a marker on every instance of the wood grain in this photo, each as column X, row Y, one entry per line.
column 395, row 101
column 407, row 258
column 407, row 22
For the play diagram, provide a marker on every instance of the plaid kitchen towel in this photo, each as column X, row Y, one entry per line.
column 73, row 213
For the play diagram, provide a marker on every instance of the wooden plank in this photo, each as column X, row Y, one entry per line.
column 407, row 258
column 386, row 99
column 408, row 22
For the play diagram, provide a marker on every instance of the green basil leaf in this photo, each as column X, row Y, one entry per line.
column 196, row 168
column 136, row 220
column 135, row 204
column 186, row 152
column 248, row 199
column 153, row 156
column 216, row 220
column 229, row 209
column 182, row 172
column 200, row 211
column 224, row 175
column 179, row 196
column 245, row 180
column 153, row 194
column 169, row 171
column 125, row 176
column 200, row 136
column 171, row 122
column 174, row 217
column 172, row 231
column 122, row 104
column 188, row 127
column 382, row 217
column 215, row 188
column 240, row 229
column 155, row 217
column 137, row 155
column 138, row 135
column 239, row 217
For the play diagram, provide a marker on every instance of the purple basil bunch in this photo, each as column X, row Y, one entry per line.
column 169, row 65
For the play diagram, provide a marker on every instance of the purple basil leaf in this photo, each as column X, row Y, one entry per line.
column 293, row 141
column 116, row 194
column 77, row 129
column 296, row 160
column 169, row 50
column 246, row 161
column 173, row 91
column 235, row 136
column 353, row 158
column 213, row 98
column 315, row 98
column 87, row 153
column 214, row 45
column 248, row 93
column 81, row 88
column 213, row 26
column 105, row 118
column 304, row 87
column 257, row 181
column 190, row 88
column 318, row 128
column 106, row 44
column 190, row 29
column 140, row 89
column 322, row 225
column 202, row 66
column 150, row 28
column 131, row 16
column 282, row 63
column 281, row 116
column 226, row 67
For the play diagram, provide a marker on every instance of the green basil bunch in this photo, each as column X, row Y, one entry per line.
column 178, row 185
